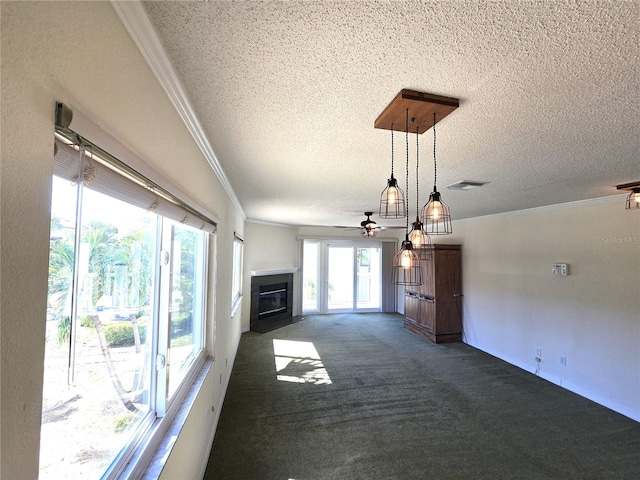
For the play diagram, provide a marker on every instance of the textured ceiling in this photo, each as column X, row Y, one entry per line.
column 288, row 93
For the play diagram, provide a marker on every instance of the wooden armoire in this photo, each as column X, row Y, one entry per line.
column 434, row 309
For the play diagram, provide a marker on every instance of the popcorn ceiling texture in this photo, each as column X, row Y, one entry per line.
column 288, row 93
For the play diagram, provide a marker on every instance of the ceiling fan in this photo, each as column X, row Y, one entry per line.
column 369, row 228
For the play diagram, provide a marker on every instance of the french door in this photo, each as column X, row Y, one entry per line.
column 341, row 277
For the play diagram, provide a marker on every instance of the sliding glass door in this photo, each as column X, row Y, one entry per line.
column 341, row 276
column 368, row 281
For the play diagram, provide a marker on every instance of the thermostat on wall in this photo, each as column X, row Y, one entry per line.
column 560, row 269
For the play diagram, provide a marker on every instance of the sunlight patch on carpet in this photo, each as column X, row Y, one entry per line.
column 299, row 362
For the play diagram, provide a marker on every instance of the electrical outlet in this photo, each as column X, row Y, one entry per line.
column 563, row 361
column 560, row 269
column 539, row 353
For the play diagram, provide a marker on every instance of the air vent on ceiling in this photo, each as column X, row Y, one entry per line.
column 466, row 185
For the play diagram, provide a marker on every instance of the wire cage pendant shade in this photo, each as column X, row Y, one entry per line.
column 633, row 199
column 420, row 240
column 392, row 203
column 435, row 215
column 406, row 265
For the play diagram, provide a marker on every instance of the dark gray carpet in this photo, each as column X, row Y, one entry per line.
column 399, row 407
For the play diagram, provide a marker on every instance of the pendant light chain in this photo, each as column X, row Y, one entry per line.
column 392, row 150
column 417, row 170
column 392, row 198
column 435, row 165
column 406, row 198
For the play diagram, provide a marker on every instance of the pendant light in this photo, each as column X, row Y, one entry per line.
column 435, row 214
column 392, row 204
column 420, row 240
column 406, row 263
column 633, row 199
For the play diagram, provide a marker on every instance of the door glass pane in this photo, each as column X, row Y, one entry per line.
column 340, row 277
column 368, row 270
column 97, row 355
column 185, row 301
column 310, row 277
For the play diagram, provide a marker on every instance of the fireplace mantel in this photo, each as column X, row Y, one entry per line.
column 262, row 273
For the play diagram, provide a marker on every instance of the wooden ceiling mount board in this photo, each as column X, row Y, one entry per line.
column 625, row 186
column 421, row 108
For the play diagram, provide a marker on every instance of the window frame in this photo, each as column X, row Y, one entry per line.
column 139, row 448
column 237, row 261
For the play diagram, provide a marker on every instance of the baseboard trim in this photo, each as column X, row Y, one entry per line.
column 225, row 386
column 577, row 389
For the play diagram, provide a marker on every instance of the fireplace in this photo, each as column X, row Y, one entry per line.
column 271, row 302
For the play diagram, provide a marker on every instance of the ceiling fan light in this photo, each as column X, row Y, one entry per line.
column 368, row 223
column 436, row 216
column 368, row 232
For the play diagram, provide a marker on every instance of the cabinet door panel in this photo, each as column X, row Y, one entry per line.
column 428, row 314
column 412, row 308
column 449, row 318
column 448, row 278
column 428, row 279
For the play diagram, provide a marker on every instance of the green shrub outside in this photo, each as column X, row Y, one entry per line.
column 181, row 324
column 121, row 334
column 87, row 321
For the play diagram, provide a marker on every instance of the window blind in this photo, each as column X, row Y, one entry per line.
column 109, row 175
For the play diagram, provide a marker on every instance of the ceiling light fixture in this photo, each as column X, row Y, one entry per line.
column 419, row 238
column 369, row 228
column 392, row 204
column 436, row 216
column 633, row 199
column 406, row 263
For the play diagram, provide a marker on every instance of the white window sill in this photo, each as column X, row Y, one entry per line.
column 162, row 452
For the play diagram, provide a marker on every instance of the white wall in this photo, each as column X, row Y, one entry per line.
column 80, row 54
column 513, row 304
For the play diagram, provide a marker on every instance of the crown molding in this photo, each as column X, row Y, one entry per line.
column 549, row 208
column 137, row 23
column 272, row 224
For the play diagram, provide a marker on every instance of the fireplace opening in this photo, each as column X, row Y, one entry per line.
column 271, row 302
